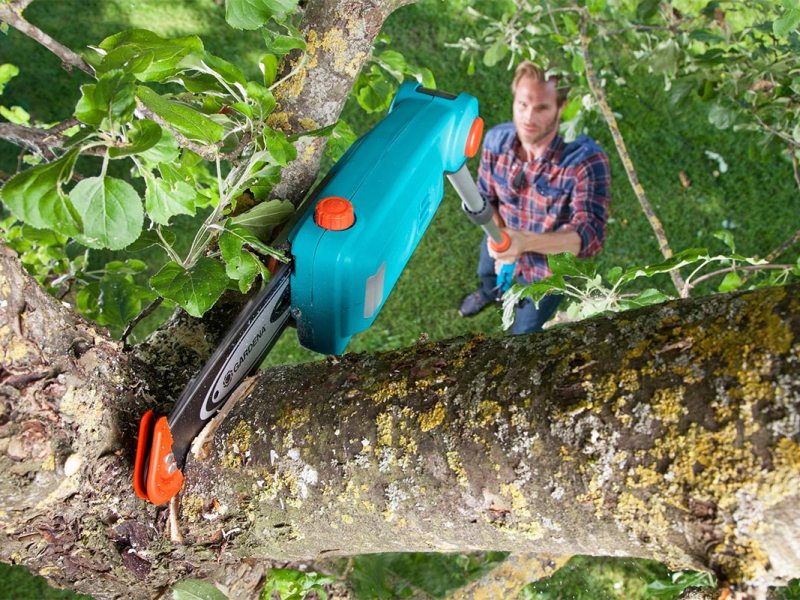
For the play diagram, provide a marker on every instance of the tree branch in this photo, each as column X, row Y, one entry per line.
column 12, row 14
column 622, row 150
column 42, row 141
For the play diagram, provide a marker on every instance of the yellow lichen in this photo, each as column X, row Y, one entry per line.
column 383, row 423
column 293, row 417
column 237, row 445
column 668, row 405
column 519, row 504
column 393, row 389
column 432, row 418
column 488, row 412
column 455, row 464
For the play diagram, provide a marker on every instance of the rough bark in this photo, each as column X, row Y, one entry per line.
column 339, row 36
column 669, row 433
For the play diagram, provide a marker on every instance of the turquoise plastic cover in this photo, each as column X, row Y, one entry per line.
column 394, row 178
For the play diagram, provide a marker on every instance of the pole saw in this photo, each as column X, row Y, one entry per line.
column 347, row 252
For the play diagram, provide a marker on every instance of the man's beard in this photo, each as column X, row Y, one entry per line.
column 543, row 133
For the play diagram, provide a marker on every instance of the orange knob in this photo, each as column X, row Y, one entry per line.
column 502, row 246
column 334, row 213
column 474, row 138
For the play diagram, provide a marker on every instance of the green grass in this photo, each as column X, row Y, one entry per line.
column 757, row 194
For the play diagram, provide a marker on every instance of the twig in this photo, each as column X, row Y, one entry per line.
column 207, row 152
column 783, row 247
column 619, row 142
column 138, row 318
column 175, row 535
column 786, row 138
column 12, row 14
column 748, row 268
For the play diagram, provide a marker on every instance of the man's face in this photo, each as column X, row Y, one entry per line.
column 536, row 111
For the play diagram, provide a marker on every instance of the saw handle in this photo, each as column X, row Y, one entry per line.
column 505, row 276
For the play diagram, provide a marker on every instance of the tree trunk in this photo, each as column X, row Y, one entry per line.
column 669, row 432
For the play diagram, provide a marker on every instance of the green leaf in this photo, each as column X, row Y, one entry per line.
column 219, row 68
column 166, row 150
column 727, row 238
column 394, row 62
column 647, row 9
column 596, row 6
column 111, row 97
column 111, row 211
column 269, row 68
column 614, row 275
column 567, row 264
column 263, row 217
column 34, row 196
column 341, row 139
column 120, row 299
column 280, row 44
column 667, row 589
column 195, row 290
column 495, row 53
column 279, row 147
column 787, row 23
column 150, row 239
column 195, row 589
column 188, row 121
column 731, row 282
column 164, row 201
column 373, row 92
column 16, row 115
column 721, row 116
column 142, row 136
column 252, row 14
column 7, row 73
column 238, row 234
column 145, row 54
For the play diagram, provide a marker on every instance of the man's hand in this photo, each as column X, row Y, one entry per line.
column 551, row 242
column 513, row 252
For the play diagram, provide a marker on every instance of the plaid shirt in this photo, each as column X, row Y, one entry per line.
column 566, row 189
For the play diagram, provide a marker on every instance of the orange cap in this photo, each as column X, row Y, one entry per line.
column 474, row 138
column 334, row 213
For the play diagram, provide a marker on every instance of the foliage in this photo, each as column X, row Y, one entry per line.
column 14, row 114
column 590, row 293
column 740, row 56
column 592, row 578
column 669, row 588
column 791, row 591
column 377, row 83
column 291, row 584
column 170, row 109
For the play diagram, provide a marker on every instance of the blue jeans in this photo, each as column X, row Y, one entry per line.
column 527, row 318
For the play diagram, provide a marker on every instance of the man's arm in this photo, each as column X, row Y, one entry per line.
column 551, row 242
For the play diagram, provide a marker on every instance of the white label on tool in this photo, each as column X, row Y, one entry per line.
column 374, row 294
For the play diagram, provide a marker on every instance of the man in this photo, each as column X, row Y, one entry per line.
column 547, row 195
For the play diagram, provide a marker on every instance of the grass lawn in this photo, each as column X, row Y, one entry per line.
column 757, row 196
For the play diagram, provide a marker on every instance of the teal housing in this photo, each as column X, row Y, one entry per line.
column 394, row 178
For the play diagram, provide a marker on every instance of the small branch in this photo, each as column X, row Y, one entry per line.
column 783, row 247
column 207, row 152
column 12, row 14
column 748, row 268
column 779, row 134
column 138, row 318
column 795, row 168
column 41, row 141
column 619, row 142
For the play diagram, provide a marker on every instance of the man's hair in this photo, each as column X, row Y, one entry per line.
column 527, row 69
